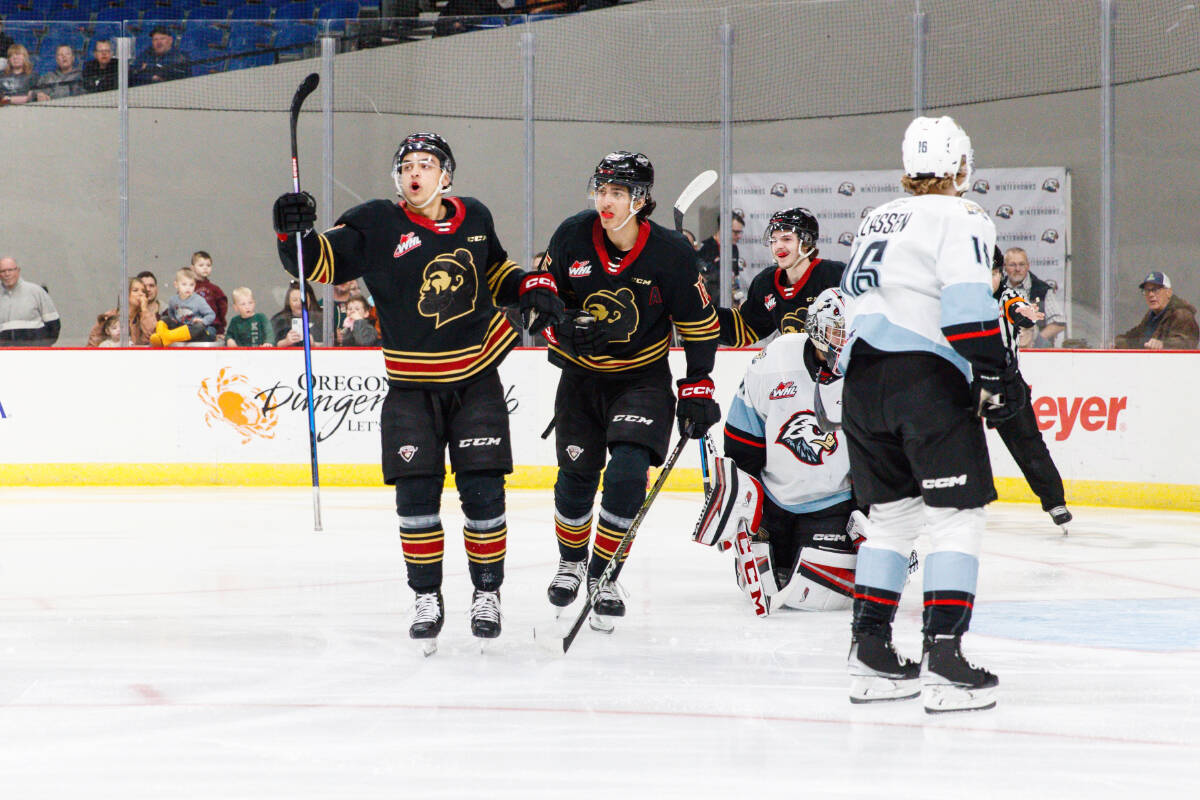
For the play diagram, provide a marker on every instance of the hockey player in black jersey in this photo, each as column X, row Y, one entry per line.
column 778, row 299
column 625, row 280
column 437, row 273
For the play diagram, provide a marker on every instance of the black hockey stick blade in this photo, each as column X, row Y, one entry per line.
column 307, row 87
column 697, row 187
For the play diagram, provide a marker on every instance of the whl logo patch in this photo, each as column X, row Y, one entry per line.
column 580, row 269
column 574, row 452
column 407, row 452
column 408, row 242
column 784, row 389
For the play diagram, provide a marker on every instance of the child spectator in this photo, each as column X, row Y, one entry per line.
column 142, row 321
column 212, row 294
column 110, row 324
column 188, row 317
column 18, row 79
column 247, row 329
column 287, row 323
column 357, row 330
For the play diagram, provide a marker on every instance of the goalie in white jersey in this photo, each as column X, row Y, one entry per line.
column 924, row 362
column 781, row 497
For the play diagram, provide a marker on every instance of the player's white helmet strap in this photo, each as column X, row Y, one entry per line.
column 934, row 147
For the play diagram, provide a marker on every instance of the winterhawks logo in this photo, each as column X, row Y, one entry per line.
column 580, row 269
column 409, row 241
column 1004, row 211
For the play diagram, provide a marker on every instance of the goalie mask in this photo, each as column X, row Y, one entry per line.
column 631, row 170
column 799, row 221
column 434, row 145
column 938, row 148
column 826, row 323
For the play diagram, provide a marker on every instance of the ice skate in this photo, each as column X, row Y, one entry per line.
column 565, row 587
column 429, row 614
column 1061, row 515
column 607, row 606
column 485, row 614
column 950, row 682
column 878, row 672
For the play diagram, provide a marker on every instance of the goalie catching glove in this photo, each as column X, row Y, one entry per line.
column 540, row 304
column 294, row 212
column 696, row 411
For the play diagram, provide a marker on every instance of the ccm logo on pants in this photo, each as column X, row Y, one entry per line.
column 632, row 418
column 944, row 483
column 481, row 442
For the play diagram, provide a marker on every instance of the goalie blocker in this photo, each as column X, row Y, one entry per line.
column 821, row 578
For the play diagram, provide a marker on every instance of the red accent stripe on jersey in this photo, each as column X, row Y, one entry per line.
column 439, row 225
column 454, row 365
column 946, row 601
column 789, row 291
column 750, row 442
column 974, row 334
column 873, row 599
column 602, row 252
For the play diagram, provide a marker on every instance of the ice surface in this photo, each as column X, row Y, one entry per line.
column 205, row 643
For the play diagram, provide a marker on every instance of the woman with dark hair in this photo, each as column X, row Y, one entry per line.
column 288, row 323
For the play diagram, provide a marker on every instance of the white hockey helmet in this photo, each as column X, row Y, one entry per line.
column 826, row 322
column 935, row 148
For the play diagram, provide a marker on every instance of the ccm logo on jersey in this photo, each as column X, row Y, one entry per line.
column 580, row 269
column 784, row 389
column 633, row 418
column 1092, row 413
column 408, row 242
column 947, row 482
column 483, row 441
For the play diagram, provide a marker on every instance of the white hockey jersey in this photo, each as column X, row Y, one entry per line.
column 807, row 468
column 919, row 264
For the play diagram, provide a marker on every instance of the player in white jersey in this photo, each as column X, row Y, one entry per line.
column 923, row 363
column 785, row 478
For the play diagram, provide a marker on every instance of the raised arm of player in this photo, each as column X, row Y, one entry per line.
column 339, row 254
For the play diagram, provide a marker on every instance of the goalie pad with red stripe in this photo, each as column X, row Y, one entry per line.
column 823, row 580
column 736, row 498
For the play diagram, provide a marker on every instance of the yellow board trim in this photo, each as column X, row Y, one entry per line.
column 1123, row 494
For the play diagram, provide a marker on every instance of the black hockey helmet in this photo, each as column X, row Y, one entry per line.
column 799, row 221
column 424, row 142
column 631, row 170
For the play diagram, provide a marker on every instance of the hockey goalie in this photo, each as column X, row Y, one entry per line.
column 781, row 499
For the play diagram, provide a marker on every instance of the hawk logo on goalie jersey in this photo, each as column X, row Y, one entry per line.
column 448, row 287
column 616, row 310
column 805, row 439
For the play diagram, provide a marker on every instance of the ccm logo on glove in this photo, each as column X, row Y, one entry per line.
column 538, row 280
column 703, row 388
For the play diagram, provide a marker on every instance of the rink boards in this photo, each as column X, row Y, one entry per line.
column 1117, row 424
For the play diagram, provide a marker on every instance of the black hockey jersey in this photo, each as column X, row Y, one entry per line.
column 435, row 283
column 655, row 284
column 772, row 305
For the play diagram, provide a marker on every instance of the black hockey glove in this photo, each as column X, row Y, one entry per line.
column 294, row 212
column 581, row 334
column 696, row 410
column 998, row 396
column 540, row 304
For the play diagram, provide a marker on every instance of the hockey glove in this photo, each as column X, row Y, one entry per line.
column 696, row 410
column 294, row 212
column 540, row 304
column 998, row 396
column 581, row 334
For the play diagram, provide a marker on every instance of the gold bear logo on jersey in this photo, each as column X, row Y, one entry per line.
column 448, row 287
column 793, row 321
column 616, row 310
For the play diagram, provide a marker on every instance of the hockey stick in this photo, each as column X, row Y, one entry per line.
column 697, row 187
column 623, row 546
column 302, row 92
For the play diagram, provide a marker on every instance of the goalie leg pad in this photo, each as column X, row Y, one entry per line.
column 736, row 499
column 823, row 581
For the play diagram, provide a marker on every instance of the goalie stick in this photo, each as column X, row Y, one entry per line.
column 306, row 88
column 622, row 548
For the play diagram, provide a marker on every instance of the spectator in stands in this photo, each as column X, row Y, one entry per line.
column 691, row 237
column 142, row 321
column 152, row 303
column 65, row 81
column 5, row 43
column 18, row 79
column 287, row 323
column 357, row 330
column 160, row 61
column 250, row 328
column 1038, row 292
column 1170, row 323
column 188, row 319
column 100, row 74
column 709, row 255
column 110, row 326
column 28, row 317
column 451, row 20
column 212, row 294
